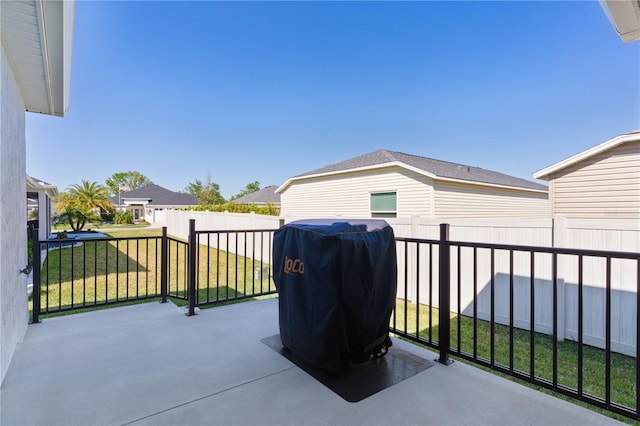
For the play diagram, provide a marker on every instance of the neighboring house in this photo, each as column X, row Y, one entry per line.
column 602, row 182
column 391, row 184
column 264, row 197
column 39, row 196
column 151, row 201
column 35, row 65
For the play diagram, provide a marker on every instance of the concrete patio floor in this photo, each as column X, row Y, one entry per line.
column 150, row 364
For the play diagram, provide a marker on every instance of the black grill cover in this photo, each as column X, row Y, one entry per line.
column 336, row 281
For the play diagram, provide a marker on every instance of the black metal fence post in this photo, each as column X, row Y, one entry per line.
column 164, row 267
column 444, row 293
column 191, row 291
column 35, row 258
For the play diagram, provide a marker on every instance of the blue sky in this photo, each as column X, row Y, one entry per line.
column 248, row 91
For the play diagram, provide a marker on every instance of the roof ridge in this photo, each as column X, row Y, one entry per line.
column 440, row 168
column 455, row 163
column 390, row 155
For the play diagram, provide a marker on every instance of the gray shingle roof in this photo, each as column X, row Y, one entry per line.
column 159, row 196
column 40, row 181
column 265, row 195
column 439, row 168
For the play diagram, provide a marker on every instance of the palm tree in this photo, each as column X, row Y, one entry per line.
column 81, row 202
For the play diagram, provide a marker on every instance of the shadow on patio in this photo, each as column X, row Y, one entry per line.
column 150, row 364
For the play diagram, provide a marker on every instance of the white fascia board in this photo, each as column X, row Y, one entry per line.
column 136, row 201
column 624, row 16
column 35, row 185
column 32, row 183
column 56, row 20
column 67, row 35
column 52, row 191
column 492, row 185
column 172, row 206
column 407, row 167
column 618, row 140
column 357, row 169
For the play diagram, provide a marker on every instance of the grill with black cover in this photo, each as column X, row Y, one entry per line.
column 336, row 280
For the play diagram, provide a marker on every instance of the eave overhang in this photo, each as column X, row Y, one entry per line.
column 289, row 181
column 37, row 36
column 36, row 185
column 624, row 16
column 548, row 172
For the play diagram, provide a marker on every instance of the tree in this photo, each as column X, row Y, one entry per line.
column 80, row 204
column 249, row 189
column 131, row 180
column 208, row 193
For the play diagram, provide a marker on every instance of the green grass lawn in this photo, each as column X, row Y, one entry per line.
column 623, row 368
column 98, row 272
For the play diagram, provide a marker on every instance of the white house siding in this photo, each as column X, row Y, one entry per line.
column 348, row 194
column 606, row 185
column 459, row 200
column 13, row 244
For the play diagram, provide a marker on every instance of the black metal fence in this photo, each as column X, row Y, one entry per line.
column 527, row 312
column 228, row 266
column 211, row 267
column 525, row 319
column 93, row 272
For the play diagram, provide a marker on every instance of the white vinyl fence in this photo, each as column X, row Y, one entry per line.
column 256, row 245
column 610, row 235
column 178, row 222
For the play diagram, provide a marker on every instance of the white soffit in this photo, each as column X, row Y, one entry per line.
column 624, row 15
column 36, row 185
column 37, row 38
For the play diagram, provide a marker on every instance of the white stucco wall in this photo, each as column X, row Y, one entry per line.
column 13, row 242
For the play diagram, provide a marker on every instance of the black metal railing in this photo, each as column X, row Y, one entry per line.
column 230, row 265
column 562, row 319
column 527, row 312
column 177, row 268
column 210, row 267
column 80, row 274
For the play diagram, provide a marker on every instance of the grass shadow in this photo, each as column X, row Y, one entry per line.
column 475, row 339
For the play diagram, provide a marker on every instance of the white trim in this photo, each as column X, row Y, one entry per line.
column 618, row 140
column 492, row 185
column 135, row 202
column 44, row 46
column 407, row 167
column 624, row 16
column 394, row 212
column 35, row 185
column 40, row 40
column 355, row 169
column 69, row 12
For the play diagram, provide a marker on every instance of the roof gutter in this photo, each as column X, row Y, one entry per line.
column 35, row 185
column 46, row 40
column 55, row 24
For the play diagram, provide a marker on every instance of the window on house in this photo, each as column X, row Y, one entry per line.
column 383, row 204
